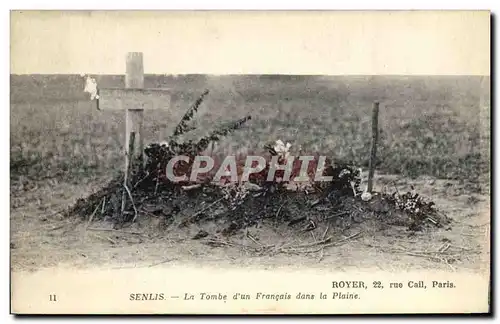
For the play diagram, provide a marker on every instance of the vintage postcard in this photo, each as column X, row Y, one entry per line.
column 250, row 162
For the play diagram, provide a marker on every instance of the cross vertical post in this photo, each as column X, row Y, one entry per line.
column 134, row 116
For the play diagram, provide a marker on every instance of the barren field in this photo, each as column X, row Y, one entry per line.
column 434, row 136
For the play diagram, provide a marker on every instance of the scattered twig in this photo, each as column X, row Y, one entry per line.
column 132, row 201
column 462, row 248
column 476, row 226
column 445, row 247
column 217, row 242
column 207, row 207
column 323, row 248
column 323, row 242
column 213, row 241
column 56, row 212
column 106, row 238
column 279, row 210
column 191, row 187
column 109, row 239
column 337, row 242
column 56, row 228
column 451, row 267
column 316, row 202
column 161, row 262
column 310, row 226
column 434, row 256
column 347, row 238
column 423, row 256
column 253, row 187
column 190, row 218
column 322, row 255
column 141, row 180
column 200, row 234
column 395, row 187
column 103, row 205
column 353, row 190
column 296, row 220
column 92, row 215
column 253, row 239
column 432, row 220
column 113, row 230
column 157, row 184
column 338, row 214
column 328, row 239
column 325, row 232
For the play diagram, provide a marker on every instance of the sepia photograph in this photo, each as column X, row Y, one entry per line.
column 250, row 162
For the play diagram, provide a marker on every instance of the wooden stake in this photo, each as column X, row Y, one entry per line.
column 373, row 151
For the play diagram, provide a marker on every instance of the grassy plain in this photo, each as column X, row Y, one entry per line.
column 429, row 125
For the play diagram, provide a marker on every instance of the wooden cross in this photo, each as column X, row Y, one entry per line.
column 134, row 99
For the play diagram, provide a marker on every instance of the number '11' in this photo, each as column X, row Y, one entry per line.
column 52, row 298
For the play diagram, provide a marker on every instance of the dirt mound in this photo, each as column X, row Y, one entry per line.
column 229, row 206
column 218, row 209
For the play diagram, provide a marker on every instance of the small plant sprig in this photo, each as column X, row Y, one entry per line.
column 416, row 206
column 159, row 154
column 183, row 126
column 220, row 132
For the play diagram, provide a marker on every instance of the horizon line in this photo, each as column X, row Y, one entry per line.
column 264, row 74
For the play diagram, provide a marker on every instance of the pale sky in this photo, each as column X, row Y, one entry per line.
column 329, row 43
